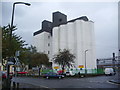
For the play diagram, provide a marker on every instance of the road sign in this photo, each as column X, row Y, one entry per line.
column 56, row 67
column 10, row 63
column 81, row 66
column 17, row 53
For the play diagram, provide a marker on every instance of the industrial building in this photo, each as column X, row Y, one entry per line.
column 76, row 35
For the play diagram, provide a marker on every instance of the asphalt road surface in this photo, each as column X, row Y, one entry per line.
column 89, row 82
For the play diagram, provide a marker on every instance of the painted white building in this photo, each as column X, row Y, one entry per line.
column 76, row 35
column 43, row 41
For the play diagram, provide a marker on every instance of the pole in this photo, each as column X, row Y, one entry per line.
column 8, row 77
column 114, row 62
column 10, row 45
column 10, row 40
column 12, row 19
column 85, row 64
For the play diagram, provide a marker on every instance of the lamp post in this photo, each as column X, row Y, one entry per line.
column 10, row 40
column 11, row 27
column 85, row 62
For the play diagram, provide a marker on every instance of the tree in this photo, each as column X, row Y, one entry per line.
column 39, row 59
column 9, row 47
column 17, row 44
column 26, row 55
column 64, row 58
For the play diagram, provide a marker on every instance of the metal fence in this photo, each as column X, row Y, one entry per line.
column 76, row 71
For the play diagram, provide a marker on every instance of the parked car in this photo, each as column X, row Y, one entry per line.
column 52, row 75
column 61, row 73
column 109, row 71
column 22, row 72
column 4, row 75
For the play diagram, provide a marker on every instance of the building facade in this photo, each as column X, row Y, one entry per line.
column 76, row 35
column 119, row 28
column 0, row 48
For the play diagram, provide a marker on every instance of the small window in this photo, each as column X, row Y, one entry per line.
column 60, row 20
column 48, row 44
column 48, row 37
column 48, row 52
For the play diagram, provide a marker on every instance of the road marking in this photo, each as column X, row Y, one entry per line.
column 112, row 83
column 47, row 87
column 44, row 86
column 92, row 88
column 89, row 87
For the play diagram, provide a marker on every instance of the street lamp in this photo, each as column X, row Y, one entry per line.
column 11, row 27
column 85, row 62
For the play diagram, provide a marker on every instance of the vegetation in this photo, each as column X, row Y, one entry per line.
column 28, row 55
column 9, row 47
column 40, row 59
column 64, row 58
column 17, row 44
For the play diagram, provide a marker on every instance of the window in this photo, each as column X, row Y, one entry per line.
column 48, row 44
column 48, row 37
column 48, row 52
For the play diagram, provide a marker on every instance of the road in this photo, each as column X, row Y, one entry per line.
column 89, row 82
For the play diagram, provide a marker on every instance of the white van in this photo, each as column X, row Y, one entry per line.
column 70, row 73
column 109, row 71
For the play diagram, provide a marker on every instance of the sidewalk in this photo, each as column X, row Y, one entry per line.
column 25, row 86
column 116, row 79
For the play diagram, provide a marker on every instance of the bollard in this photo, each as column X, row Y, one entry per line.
column 17, row 85
column 14, row 85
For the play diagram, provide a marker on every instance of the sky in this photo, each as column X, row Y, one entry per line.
column 28, row 19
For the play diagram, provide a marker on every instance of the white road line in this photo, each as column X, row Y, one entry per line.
column 89, row 87
column 44, row 86
column 92, row 88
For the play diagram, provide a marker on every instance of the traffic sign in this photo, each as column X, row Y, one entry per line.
column 17, row 53
column 10, row 63
column 81, row 66
column 56, row 67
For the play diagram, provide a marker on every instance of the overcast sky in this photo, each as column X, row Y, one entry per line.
column 104, row 15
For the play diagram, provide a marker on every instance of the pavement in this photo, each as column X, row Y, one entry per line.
column 26, row 86
column 116, row 79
